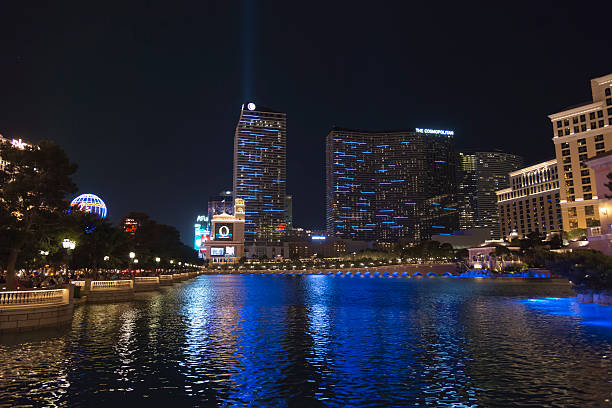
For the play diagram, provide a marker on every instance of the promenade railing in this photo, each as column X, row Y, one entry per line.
column 112, row 285
column 165, row 277
column 31, row 298
column 80, row 283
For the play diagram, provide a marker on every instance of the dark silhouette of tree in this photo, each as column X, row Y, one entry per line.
column 33, row 189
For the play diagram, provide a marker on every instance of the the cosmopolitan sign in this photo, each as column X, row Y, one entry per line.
column 436, row 131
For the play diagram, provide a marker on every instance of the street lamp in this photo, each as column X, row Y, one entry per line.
column 106, row 258
column 132, row 255
column 68, row 245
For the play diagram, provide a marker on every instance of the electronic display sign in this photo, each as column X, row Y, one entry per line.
column 224, row 231
column 216, row 251
column 230, row 251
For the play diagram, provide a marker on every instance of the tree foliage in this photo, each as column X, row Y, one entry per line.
column 33, row 189
column 586, row 269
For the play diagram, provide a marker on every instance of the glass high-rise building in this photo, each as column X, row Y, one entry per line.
column 479, row 176
column 260, row 172
column 390, row 185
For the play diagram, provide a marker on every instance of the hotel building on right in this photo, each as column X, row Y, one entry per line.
column 531, row 203
column 581, row 133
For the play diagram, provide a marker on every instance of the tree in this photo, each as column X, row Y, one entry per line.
column 576, row 234
column 586, row 269
column 33, row 189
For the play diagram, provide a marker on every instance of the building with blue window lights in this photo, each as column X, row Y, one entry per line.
column 390, row 186
column 260, row 172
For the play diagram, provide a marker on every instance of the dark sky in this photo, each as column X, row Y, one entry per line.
column 145, row 96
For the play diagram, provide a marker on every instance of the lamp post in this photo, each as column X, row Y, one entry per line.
column 157, row 260
column 68, row 245
column 44, row 254
column 132, row 255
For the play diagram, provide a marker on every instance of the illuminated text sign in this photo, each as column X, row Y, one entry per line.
column 436, row 131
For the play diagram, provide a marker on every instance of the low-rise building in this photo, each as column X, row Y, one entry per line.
column 464, row 238
column 227, row 241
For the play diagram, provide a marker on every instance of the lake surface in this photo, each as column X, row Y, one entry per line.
column 312, row 341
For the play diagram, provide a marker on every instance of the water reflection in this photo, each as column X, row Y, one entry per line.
column 321, row 341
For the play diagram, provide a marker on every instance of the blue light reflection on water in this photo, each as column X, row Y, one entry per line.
column 585, row 313
column 321, row 341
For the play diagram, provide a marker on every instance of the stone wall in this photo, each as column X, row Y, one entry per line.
column 602, row 298
column 32, row 317
column 145, row 287
column 110, row 296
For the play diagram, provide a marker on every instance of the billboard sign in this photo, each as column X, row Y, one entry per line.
column 224, row 231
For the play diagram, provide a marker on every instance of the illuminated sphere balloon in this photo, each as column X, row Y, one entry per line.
column 89, row 203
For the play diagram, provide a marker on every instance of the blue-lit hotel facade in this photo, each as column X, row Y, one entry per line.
column 390, row 186
column 260, row 172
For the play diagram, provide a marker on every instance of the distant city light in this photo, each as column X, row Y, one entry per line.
column 318, row 237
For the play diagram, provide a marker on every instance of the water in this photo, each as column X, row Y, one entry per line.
column 321, row 341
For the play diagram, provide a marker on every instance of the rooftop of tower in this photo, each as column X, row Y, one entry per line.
column 251, row 106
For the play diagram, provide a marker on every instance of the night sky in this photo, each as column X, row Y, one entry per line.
column 145, row 96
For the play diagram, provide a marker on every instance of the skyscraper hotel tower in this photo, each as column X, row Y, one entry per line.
column 580, row 133
column 479, row 175
column 260, row 172
column 390, row 185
